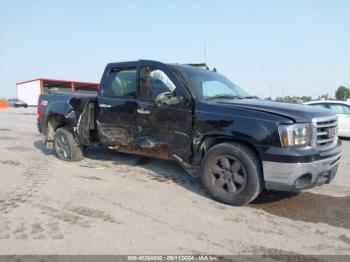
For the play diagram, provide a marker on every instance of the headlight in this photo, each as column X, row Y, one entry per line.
column 296, row 135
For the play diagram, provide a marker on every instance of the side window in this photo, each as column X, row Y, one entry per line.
column 121, row 83
column 320, row 105
column 340, row 109
column 153, row 82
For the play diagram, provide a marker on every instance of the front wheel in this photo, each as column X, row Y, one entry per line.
column 65, row 146
column 232, row 173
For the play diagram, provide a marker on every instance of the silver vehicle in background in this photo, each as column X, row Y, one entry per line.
column 343, row 111
column 15, row 102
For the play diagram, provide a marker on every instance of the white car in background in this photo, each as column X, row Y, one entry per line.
column 343, row 111
column 15, row 102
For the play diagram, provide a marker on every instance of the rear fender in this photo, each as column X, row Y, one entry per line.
column 58, row 113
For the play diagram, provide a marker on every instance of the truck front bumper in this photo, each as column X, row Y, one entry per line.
column 300, row 175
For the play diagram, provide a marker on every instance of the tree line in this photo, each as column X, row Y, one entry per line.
column 342, row 93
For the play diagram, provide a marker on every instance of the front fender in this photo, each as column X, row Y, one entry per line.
column 255, row 132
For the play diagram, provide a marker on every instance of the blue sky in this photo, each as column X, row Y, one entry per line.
column 299, row 47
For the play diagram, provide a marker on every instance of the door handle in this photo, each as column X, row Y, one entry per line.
column 143, row 111
column 105, row 106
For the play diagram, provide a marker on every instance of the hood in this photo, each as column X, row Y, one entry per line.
column 296, row 112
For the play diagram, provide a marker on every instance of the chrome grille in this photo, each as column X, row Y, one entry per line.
column 327, row 129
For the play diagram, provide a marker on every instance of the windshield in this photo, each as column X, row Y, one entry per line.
column 210, row 85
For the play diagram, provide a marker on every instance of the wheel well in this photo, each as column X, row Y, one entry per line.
column 212, row 141
column 55, row 121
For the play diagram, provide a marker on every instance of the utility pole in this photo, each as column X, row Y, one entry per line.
column 204, row 53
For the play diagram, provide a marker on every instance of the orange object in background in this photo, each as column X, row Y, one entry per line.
column 4, row 104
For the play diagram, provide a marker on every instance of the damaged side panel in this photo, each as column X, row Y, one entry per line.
column 112, row 135
column 116, row 121
column 166, row 127
column 85, row 114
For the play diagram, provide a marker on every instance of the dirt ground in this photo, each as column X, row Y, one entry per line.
column 113, row 203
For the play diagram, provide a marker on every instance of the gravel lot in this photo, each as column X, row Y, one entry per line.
column 113, row 203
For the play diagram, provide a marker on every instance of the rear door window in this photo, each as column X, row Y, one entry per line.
column 121, row 83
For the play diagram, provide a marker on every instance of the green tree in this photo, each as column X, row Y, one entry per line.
column 294, row 99
column 306, row 98
column 279, row 99
column 324, row 97
column 342, row 93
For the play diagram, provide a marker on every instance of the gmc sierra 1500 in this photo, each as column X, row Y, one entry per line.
column 199, row 118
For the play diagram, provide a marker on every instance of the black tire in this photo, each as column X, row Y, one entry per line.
column 65, row 146
column 15, row 105
column 236, row 180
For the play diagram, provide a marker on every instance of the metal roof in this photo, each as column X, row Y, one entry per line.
column 78, row 83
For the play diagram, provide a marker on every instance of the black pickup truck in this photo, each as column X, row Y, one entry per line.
column 199, row 118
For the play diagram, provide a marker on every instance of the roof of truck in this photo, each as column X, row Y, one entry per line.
column 203, row 66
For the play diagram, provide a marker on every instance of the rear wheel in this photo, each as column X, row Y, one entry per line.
column 232, row 173
column 65, row 146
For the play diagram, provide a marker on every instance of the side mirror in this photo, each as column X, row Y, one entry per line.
column 167, row 98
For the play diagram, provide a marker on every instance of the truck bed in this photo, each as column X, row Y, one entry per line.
column 74, row 109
